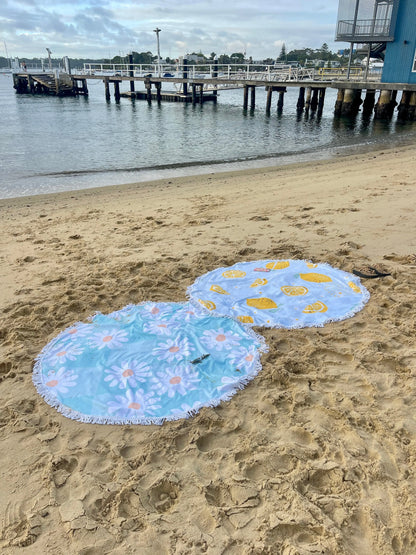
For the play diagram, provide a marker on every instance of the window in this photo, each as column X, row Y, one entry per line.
column 414, row 63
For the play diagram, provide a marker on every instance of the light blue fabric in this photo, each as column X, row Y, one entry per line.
column 280, row 293
column 146, row 364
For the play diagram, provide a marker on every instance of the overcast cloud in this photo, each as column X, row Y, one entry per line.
column 106, row 28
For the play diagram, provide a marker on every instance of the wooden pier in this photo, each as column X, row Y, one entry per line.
column 372, row 97
column 54, row 83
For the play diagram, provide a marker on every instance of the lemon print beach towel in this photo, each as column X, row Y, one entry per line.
column 280, row 293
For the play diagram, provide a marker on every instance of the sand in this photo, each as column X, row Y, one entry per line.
column 315, row 455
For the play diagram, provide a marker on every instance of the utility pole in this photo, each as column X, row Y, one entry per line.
column 157, row 31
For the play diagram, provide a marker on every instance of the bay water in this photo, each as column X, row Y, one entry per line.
column 51, row 144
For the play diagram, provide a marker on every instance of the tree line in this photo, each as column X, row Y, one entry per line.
column 303, row 56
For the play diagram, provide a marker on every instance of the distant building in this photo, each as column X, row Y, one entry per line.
column 195, row 58
column 388, row 28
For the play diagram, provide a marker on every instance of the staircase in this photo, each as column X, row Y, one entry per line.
column 48, row 84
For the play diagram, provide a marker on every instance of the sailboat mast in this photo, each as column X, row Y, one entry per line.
column 7, row 54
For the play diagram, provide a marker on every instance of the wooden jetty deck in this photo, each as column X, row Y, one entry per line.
column 194, row 87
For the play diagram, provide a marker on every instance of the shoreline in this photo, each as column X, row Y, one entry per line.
column 313, row 455
column 351, row 152
column 119, row 177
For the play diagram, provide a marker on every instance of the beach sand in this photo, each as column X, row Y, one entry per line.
column 315, row 455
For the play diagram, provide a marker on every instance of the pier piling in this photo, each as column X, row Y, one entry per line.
column 148, row 87
column 158, row 91
column 393, row 102
column 281, row 101
column 412, row 107
column 314, row 99
column 131, row 72
column 245, row 97
column 369, row 101
column 403, row 108
column 351, row 102
column 215, row 75
column 382, row 109
column 253, row 98
column 339, row 101
column 321, row 100
column 107, row 89
column 269, row 99
column 57, row 84
column 185, row 76
column 117, row 91
column 308, row 100
column 301, row 100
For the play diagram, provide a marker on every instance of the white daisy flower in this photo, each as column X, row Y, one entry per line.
column 157, row 327
column 133, row 404
column 60, row 381
column 220, row 340
column 64, row 353
column 187, row 313
column 111, row 339
column 157, row 310
column 79, row 330
column 243, row 358
column 129, row 373
column 152, row 309
column 173, row 350
column 175, row 380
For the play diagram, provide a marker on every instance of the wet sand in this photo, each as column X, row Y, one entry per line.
column 315, row 455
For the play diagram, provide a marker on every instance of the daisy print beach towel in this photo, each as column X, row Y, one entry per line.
column 146, row 363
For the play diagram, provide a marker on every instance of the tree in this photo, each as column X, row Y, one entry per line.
column 325, row 52
column 143, row 58
column 282, row 55
column 237, row 58
column 224, row 59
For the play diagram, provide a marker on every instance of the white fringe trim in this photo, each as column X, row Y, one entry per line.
column 358, row 307
column 44, row 391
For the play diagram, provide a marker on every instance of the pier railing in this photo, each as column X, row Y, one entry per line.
column 243, row 72
column 227, row 74
column 34, row 68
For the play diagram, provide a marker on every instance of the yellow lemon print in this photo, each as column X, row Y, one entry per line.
column 208, row 304
column 279, row 265
column 262, row 303
column 354, row 287
column 319, row 306
column 219, row 289
column 258, row 282
column 316, row 278
column 294, row 290
column 311, row 265
column 233, row 274
column 245, row 319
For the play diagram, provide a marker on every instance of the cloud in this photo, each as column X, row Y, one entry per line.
column 96, row 28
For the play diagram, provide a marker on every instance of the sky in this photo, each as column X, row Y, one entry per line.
column 107, row 28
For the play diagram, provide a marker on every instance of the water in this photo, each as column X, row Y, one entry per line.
column 53, row 144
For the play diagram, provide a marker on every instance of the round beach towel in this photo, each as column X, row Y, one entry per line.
column 280, row 293
column 146, row 364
